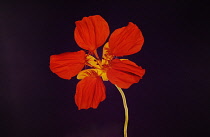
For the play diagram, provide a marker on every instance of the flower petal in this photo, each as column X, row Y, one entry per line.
column 88, row 72
column 67, row 65
column 126, row 40
column 106, row 56
column 124, row 73
column 91, row 32
column 104, row 76
column 90, row 91
column 92, row 62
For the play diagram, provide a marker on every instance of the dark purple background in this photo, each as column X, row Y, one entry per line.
column 170, row 101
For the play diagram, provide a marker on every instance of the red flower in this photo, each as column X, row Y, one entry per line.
column 90, row 33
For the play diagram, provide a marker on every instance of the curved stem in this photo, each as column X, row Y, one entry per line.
column 126, row 110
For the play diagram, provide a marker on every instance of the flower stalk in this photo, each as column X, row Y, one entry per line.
column 126, row 110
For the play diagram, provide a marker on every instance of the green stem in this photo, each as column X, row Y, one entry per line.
column 126, row 110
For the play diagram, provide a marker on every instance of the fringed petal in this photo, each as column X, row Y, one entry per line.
column 90, row 91
column 126, row 40
column 91, row 32
column 67, row 65
column 124, row 73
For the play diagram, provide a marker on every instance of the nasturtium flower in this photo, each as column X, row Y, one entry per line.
column 90, row 33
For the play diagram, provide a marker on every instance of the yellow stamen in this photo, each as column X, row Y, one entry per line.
column 126, row 110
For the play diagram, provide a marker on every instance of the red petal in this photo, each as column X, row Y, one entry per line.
column 126, row 40
column 67, row 65
column 91, row 32
column 90, row 92
column 124, row 73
